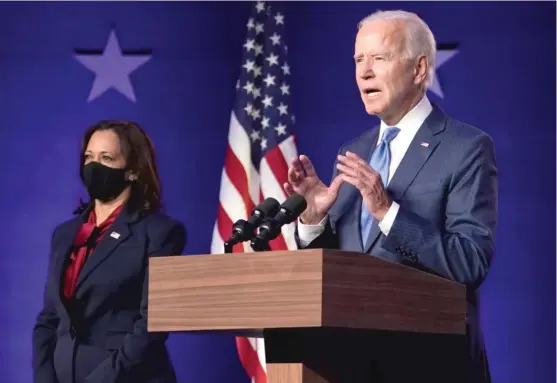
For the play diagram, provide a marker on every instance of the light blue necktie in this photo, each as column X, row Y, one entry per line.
column 380, row 161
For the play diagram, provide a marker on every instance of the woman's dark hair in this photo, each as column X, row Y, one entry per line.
column 139, row 153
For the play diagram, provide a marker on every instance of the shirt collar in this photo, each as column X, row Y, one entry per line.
column 412, row 121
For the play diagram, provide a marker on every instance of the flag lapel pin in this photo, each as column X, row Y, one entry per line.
column 425, row 144
column 115, row 235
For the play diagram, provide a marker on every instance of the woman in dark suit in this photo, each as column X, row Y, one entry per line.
column 93, row 324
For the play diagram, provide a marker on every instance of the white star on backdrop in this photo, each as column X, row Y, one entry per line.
column 112, row 69
column 441, row 58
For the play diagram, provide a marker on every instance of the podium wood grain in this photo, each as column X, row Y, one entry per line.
column 292, row 373
column 304, row 288
column 289, row 295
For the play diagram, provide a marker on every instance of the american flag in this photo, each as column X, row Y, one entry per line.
column 260, row 146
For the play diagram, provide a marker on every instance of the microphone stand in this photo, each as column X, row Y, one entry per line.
column 243, row 230
column 239, row 229
column 271, row 230
column 260, row 245
column 228, row 247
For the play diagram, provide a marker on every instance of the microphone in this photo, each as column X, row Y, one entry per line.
column 270, row 228
column 244, row 230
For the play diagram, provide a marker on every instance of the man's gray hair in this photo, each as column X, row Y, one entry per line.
column 419, row 38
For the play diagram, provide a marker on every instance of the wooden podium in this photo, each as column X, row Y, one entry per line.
column 326, row 315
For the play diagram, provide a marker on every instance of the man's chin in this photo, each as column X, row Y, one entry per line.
column 373, row 110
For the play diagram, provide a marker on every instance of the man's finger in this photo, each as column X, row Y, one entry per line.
column 347, row 161
column 288, row 189
column 307, row 165
column 365, row 170
column 352, row 162
column 336, row 184
column 356, row 158
column 296, row 165
column 360, row 162
column 295, row 176
column 364, row 187
column 351, row 180
column 352, row 172
column 292, row 177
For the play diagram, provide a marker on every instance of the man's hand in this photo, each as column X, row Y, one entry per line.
column 357, row 172
column 303, row 180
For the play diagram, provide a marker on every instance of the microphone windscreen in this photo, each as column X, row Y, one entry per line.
column 295, row 205
column 269, row 207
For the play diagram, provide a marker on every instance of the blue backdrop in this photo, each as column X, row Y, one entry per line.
column 502, row 80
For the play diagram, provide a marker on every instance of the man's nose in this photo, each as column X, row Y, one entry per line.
column 366, row 69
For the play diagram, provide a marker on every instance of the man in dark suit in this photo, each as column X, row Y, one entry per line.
column 420, row 189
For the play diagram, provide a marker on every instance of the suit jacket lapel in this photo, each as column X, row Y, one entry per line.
column 349, row 195
column 424, row 143
column 117, row 233
column 62, row 252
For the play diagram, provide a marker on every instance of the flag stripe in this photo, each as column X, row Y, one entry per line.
column 258, row 344
column 239, row 143
column 237, row 176
column 288, row 149
column 270, row 185
column 217, row 244
column 231, row 200
column 250, row 360
column 278, row 167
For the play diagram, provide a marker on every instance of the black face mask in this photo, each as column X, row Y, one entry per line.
column 102, row 182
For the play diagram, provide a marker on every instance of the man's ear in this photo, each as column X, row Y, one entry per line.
column 420, row 70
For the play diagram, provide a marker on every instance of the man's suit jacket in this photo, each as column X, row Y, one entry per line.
column 103, row 336
column 446, row 186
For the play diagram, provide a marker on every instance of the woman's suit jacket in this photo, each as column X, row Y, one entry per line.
column 102, row 337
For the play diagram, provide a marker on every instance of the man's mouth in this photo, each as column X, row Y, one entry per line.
column 371, row 92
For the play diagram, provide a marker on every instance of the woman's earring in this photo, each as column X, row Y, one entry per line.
column 133, row 178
